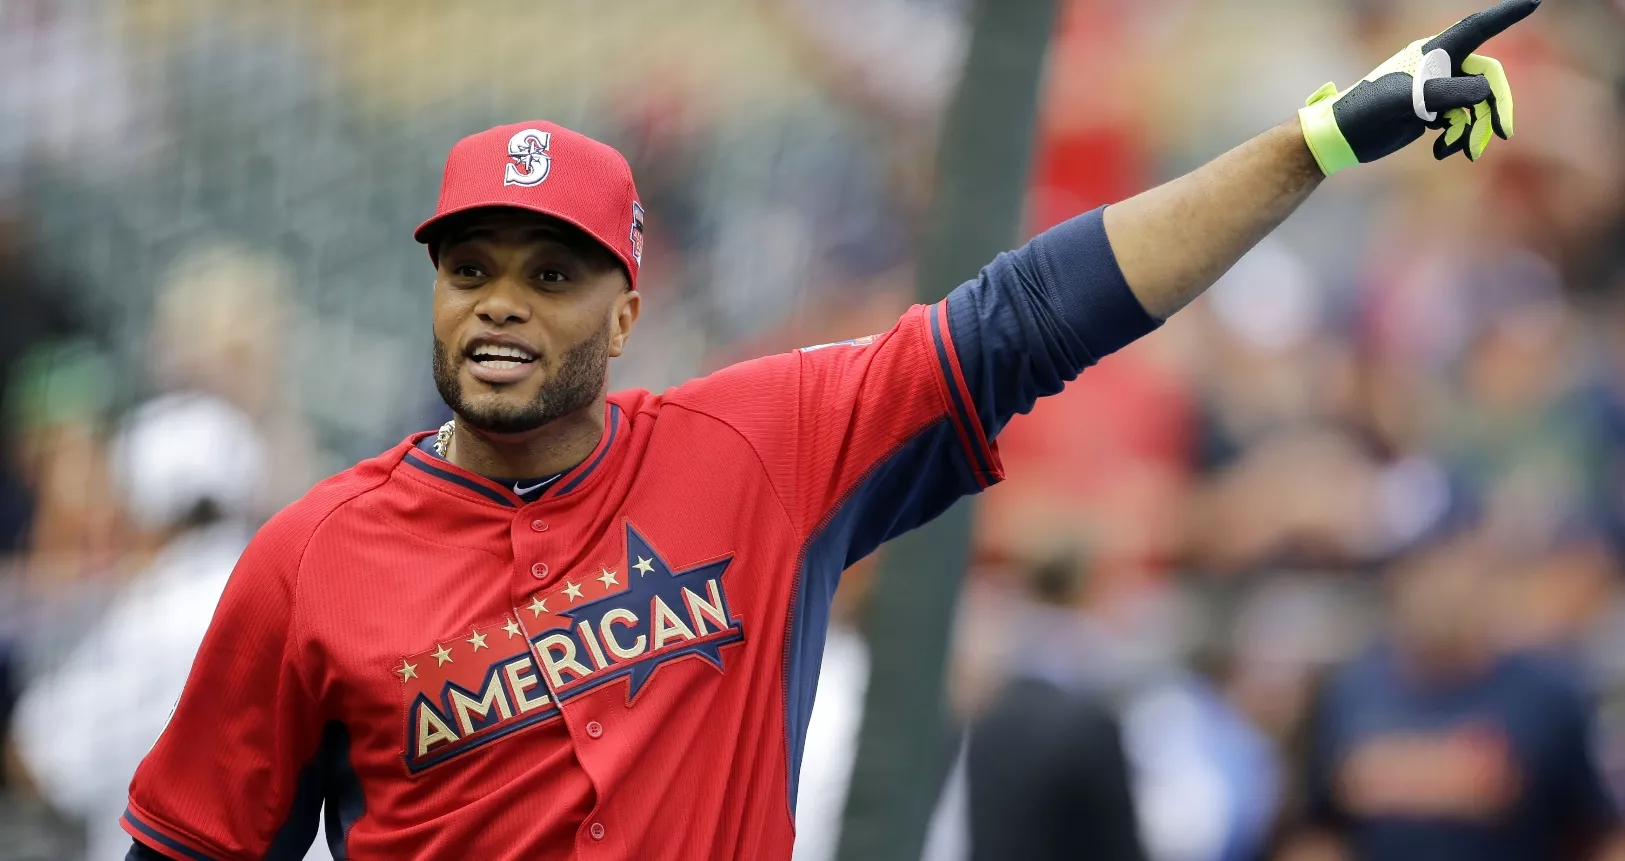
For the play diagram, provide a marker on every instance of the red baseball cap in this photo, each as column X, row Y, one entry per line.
column 546, row 168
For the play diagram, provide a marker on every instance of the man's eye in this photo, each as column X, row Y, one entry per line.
column 553, row 275
column 468, row 270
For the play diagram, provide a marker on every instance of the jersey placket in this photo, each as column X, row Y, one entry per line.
column 554, row 569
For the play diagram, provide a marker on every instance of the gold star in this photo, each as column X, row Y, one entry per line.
column 572, row 590
column 512, row 628
column 479, row 641
column 441, row 654
column 538, row 606
column 608, row 579
column 643, row 566
column 407, row 671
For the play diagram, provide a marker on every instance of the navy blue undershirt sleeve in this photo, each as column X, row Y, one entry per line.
column 1036, row 317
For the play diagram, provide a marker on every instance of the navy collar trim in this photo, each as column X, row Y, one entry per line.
column 569, row 483
column 422, row 457
column 460, row 480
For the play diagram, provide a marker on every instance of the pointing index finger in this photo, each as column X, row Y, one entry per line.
column 1477, row 28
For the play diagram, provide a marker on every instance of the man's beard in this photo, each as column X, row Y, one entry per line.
column 579, row 378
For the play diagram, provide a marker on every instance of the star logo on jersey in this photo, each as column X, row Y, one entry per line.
column 603, row 625
column 470, row 690
column 634, row 629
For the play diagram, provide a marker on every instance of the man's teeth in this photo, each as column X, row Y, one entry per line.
column 500, row 357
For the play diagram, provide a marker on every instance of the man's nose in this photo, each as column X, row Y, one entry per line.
column 502, row 302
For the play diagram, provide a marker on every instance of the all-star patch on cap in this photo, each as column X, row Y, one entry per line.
column 545, row 168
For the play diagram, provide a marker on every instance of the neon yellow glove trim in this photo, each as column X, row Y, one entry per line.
column 1458, row 118
column 1490, row 68
column 1478, row 137
column 1326, row 142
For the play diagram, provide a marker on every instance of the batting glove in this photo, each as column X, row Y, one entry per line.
column 1436, row 83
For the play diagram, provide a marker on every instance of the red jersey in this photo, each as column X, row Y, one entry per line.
column 621, row 669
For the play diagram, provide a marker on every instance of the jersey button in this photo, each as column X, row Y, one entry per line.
column 538, row 525
column 597, row 831
column 539, row 570
column 594, row 729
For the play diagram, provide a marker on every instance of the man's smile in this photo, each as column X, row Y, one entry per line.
column 500, row 359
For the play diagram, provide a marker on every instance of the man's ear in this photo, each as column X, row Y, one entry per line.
column 626, row 309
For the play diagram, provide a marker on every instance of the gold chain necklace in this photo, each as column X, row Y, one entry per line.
column 442, row 440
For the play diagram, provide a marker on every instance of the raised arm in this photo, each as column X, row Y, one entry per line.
column 1036, row 317
column 1175, row 240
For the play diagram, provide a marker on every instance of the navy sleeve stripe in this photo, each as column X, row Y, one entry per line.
column 963, row 419
column 459, row 480
column 167, row 841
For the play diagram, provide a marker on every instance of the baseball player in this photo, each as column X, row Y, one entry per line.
column 574, row 624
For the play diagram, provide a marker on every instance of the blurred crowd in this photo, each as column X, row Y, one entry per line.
column 1332, row 562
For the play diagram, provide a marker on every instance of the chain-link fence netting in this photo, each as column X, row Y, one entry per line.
column 307, row 138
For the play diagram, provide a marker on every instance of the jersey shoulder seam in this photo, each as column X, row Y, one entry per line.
column 762, row 465
column 299, row 567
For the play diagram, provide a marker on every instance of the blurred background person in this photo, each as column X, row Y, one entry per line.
column 36, row 309
column 190, row 468
column 221, row 326
column 54, row 388
column 1045, row 770
column 1440, row 743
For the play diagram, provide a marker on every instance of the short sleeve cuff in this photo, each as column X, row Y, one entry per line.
column 141, row 827
column 981, row 454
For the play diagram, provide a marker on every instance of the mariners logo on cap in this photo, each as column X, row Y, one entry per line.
column 637, row 232
column 530, row 160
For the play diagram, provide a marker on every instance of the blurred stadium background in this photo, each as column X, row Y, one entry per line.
column 218, row 198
